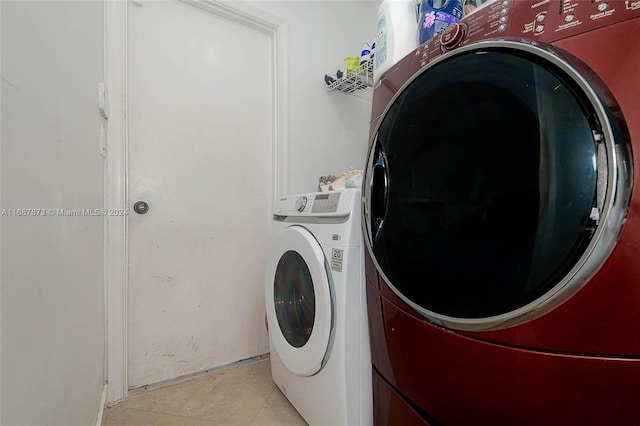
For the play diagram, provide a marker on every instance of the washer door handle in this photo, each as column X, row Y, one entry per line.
column 379, row 191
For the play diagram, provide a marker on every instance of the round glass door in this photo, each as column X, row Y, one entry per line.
column 299, row 301
column 294, row 299
column 498, row 183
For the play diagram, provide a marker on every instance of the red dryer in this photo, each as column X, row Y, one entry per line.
column 502, row 222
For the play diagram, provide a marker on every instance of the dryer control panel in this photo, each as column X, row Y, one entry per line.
column 542, row 20
column 548, row 20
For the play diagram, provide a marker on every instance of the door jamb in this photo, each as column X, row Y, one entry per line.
column 115, row 29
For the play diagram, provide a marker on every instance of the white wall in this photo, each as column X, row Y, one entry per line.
column 328, row 132
column 52, row 304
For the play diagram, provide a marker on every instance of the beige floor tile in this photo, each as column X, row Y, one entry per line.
column 236, row 397
column 133, row 417
column 277, row 411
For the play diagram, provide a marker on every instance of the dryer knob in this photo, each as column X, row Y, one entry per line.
column 301, row 203
column 452, row 36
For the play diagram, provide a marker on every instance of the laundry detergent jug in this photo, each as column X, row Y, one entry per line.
column 437, row 15
column 395, row 34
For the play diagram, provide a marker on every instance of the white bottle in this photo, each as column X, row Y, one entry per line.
column 396, row 34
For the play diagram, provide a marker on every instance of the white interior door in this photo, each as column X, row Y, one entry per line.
column 200, row 154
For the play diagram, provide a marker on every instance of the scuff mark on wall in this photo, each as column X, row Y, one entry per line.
column 10, row 83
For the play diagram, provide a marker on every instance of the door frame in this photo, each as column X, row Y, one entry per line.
column 116, row 83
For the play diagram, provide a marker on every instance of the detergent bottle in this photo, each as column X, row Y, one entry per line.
column 396, row 29
column 437, row 15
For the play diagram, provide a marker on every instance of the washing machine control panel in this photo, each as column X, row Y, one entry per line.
column 317, row 204
column 326, row 203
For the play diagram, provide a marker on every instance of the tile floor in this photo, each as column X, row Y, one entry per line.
column 241, row 396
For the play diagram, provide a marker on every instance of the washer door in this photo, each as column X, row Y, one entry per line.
column 499, row 179
column 299, row 301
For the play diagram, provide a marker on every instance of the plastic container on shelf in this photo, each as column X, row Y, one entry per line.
column 396, row 34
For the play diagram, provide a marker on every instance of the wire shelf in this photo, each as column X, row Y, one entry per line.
column 358, row 82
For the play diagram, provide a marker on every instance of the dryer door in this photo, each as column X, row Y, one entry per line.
column 299, row 301
column 498, row 181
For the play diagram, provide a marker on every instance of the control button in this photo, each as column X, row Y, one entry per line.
column 540, row 28
column 541, row 17
column 301, row 203
column 603, row 6
column 452, row 36
column 569, row 18
column 502, row 27
column 503, row 20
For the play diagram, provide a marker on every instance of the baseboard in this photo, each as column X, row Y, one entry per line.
column 199, row 373
column 101, row 419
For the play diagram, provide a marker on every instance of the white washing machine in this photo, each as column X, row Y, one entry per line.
column 316, row 308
